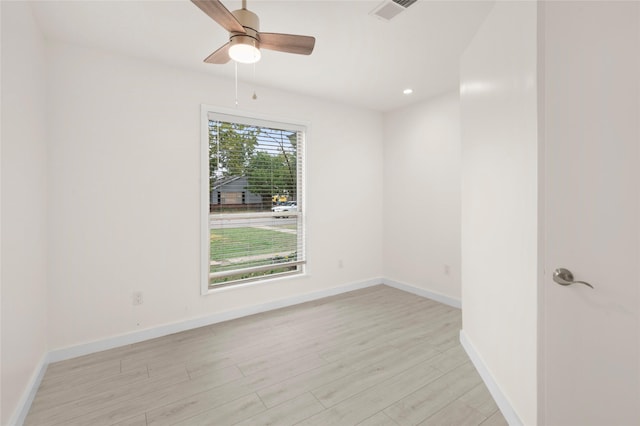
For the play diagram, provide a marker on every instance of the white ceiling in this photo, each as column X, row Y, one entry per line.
column 358, row 59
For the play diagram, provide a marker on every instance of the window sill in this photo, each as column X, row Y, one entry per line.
column 259, row 282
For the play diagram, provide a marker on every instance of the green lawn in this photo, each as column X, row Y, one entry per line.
column 234, row 243
column 242, row 242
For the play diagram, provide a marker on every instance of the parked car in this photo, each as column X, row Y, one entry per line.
column 289, row 206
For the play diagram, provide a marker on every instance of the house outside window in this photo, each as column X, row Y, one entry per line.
column 253, row 200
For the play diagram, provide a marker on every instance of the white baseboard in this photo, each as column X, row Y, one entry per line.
column 20, row 415
column 503, row 403
column 424, row 293
column 164, row 330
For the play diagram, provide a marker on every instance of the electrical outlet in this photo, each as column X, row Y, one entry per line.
column 137, row 298
column 340, row 264
column 447, row 270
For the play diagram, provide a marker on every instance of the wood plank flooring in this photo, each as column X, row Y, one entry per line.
column 377, row 356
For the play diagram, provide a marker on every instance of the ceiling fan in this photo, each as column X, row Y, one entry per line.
column 245, row 38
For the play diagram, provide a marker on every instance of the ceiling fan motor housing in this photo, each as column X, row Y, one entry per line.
column 251, row 24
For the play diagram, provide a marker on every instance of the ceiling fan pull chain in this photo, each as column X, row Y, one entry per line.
column 236, row 66
column 254, row 97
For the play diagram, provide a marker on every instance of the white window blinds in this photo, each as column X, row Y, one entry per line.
column 255, row 210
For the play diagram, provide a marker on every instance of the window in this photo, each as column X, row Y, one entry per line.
column 231, row 197
column 252, row 199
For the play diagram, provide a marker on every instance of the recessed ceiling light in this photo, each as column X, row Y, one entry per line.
column 407, row 91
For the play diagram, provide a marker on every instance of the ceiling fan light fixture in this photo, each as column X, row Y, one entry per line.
column 245, row 38
column 244, row 53
column 244, row 47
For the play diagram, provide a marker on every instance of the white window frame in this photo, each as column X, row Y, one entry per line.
column 209, row 112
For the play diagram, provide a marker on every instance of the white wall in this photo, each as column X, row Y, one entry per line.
column 499, row 201
column 124, row 143
column 422, row 195
column 24, row 204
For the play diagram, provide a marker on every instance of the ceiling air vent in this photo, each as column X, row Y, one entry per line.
column 390, row 8
column 404, row 3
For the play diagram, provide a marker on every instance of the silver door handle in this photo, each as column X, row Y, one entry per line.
column 564, row 277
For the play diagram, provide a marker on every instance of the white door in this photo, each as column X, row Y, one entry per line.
column 591, row 127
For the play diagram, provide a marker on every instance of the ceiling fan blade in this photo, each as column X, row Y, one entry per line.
column 216, row 11
column 220, row 56
column 302, row 45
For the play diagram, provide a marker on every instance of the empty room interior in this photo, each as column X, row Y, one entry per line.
column 320, row 212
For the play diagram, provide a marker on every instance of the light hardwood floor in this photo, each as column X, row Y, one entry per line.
column 377, row 356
